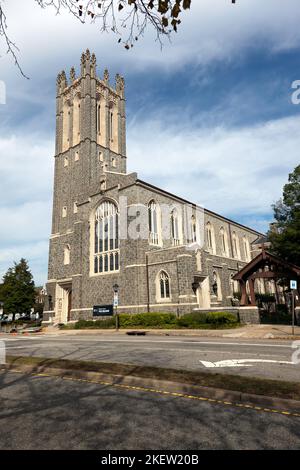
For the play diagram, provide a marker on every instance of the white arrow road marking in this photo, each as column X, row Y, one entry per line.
column 241, row 362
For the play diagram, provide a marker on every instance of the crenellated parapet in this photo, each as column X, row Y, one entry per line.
column 88, row 68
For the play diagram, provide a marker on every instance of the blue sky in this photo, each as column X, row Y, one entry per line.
column 217, row 99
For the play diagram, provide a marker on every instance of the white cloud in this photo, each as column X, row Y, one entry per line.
column 211, row 30
column 232, row 171
column 25, row 223
column 26, row 168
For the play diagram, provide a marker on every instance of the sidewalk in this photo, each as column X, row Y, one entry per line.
column 245, row 332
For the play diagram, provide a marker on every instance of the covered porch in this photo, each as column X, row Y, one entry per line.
column 266, row 267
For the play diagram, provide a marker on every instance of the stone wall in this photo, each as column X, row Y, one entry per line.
column 249, row 315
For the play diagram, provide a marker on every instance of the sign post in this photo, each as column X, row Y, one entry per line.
column 293, row 286
column 116, row 303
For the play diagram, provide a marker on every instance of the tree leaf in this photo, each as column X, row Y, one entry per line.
column 165, row 21
column 186, row 4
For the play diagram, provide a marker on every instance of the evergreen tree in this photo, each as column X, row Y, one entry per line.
column 285, row 238
column 18, row 290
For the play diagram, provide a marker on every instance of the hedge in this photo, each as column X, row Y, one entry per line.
column 107, row 323
column 162, row 320
column 212, row 318
column 147, row 319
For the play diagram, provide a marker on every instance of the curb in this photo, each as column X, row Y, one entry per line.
column 172, row 333
column 280, row 405
column 198, row 333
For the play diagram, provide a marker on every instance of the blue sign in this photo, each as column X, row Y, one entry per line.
column 116, row 299
column 293, row 285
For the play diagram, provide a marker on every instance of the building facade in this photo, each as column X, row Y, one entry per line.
column 111, row 228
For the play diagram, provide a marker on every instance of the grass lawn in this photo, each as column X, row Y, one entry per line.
column 254, row 385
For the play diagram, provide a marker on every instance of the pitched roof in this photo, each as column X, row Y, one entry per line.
column 260, row 260
column 151, row 186
column 261, row 240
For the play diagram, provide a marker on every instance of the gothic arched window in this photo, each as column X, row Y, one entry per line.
column 193, row 229
column 154, row 226
column 66, row 125
column 224, row 241
column 98, row 118
column 216, row 286
column 67, row 252
column 106, row 236
column 164, row 285
column 210, row 238
column 235, row 245
column 175, row 233
column 111, row 122
column 246, row 249
column 76, row 119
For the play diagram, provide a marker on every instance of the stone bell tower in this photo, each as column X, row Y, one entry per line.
column 90, row 135
column 90, row 152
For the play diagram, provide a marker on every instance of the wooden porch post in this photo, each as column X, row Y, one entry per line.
column 252, row 293
column 244, row 299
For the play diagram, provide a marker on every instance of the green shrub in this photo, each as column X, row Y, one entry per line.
column 162, row 320
column 107, row 323
column 282, row 309
column 281, row 316
column 158, row 320
column 192, row 320
column 221, row 318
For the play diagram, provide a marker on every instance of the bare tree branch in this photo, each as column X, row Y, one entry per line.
column 12, row 49
column 128, row 19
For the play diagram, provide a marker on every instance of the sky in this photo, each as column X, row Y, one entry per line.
column 217, row 98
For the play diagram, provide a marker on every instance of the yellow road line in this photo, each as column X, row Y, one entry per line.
column 163, row 392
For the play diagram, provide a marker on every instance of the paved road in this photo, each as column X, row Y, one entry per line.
column 175, row 352
column 53, row 413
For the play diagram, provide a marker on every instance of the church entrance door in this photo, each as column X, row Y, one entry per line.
column 63, row 302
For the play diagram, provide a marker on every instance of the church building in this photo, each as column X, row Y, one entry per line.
column 113, row 232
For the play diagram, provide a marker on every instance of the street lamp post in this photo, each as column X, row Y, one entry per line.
column 115, row 304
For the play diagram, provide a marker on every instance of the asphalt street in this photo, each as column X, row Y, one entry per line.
column 260, row 358
column 54, row 413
